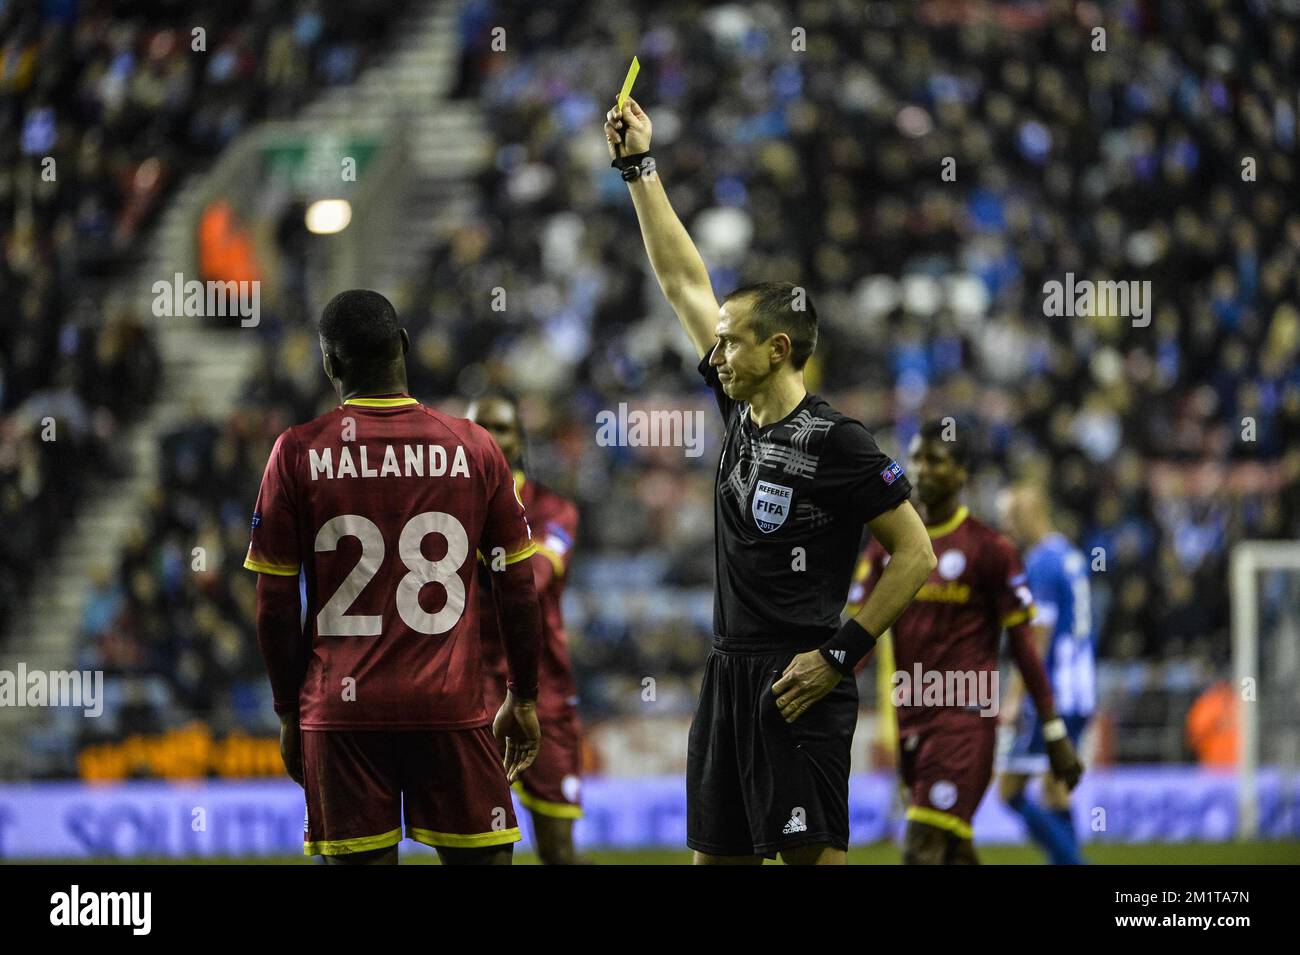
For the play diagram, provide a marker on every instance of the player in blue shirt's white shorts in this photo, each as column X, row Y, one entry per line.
column 1058, row 580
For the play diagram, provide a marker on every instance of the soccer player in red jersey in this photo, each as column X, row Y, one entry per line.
column 550, row 788
column 382, row 504
column 946, row 658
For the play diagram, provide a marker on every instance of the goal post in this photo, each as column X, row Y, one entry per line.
column 1260, row 629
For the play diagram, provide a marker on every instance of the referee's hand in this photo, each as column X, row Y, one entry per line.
column 805, row 681
column 627, row 131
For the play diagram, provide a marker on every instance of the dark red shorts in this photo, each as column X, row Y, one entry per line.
column 946, row 766
column 552, row 786
column 450, row 782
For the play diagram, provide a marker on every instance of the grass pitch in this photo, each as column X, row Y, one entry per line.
column 1206, row 853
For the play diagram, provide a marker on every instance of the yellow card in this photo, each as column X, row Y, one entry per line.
column 632, row 71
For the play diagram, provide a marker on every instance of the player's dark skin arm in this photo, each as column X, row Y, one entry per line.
column 809, row 677
column 1042, row 637
column 520, row 621
column 1060, row 753
column 543, row 572
column 284, row 652
column 1010, row 784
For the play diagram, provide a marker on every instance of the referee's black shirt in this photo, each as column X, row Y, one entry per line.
column 789, row 505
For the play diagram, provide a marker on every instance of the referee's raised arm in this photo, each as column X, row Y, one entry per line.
column 673, row 256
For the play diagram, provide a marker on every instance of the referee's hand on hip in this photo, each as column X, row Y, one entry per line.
column 805, row 681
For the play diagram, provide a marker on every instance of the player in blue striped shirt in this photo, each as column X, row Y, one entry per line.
column 1058, row 580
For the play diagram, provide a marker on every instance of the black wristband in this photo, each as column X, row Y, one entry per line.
column 846, row 648
column 622, row 162
column 633, row 167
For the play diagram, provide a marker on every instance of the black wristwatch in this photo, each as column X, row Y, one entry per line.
column 633, row 167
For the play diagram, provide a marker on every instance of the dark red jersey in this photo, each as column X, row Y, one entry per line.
column 383, row 504
column 955, row 623
column 555, row 524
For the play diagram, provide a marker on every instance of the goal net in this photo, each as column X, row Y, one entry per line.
column 1265, row 594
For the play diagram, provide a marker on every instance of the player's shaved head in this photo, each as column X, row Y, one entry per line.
column 939, row 461
column 1026, row 513
column 498, row 414
column 955, row 436
column 363, row 344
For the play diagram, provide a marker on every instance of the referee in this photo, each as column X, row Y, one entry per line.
column 768, row 755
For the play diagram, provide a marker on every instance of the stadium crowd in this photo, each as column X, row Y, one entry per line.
column 807, row 140
column 103, row 108
column 1165, row 155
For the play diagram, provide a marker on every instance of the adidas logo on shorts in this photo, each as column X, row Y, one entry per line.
column 796, row 824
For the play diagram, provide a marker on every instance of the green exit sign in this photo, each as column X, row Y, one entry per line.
column 323, row 162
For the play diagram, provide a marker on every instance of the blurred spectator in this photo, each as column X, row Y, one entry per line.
column 1213, row 726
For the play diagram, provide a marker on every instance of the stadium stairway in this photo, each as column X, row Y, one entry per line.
column 447, row 140
column 205, row 369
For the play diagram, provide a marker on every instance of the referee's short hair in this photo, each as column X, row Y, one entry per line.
column 361, row 327
column 781, row 307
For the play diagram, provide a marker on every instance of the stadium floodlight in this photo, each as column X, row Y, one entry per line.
column 1271, row 609
column 328, row 216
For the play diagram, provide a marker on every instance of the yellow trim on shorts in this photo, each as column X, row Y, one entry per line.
column 940, row 820
column 339, row 847
column 457, row 840
column 279, row 570
column 555, row 810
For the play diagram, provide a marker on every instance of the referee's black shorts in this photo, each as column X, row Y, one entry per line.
column 755, row 784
